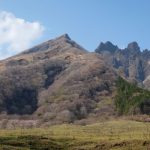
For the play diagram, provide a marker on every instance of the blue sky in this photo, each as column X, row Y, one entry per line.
column 86, row 21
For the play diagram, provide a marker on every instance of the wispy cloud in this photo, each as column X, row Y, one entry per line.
column 16, row 34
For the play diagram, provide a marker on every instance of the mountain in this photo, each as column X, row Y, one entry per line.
column 59, row 82
column 55, row 82
column 108, row 46
column 131, row 62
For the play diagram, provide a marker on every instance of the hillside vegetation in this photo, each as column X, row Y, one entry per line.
column 131, row 99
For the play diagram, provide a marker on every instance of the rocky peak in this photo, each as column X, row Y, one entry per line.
column 133, row 47
column 58, row 44
column 108, row 46
column 64, row 36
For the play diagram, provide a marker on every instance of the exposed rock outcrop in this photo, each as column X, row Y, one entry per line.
column 131, row 62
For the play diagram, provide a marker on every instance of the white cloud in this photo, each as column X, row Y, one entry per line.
column 16, row 34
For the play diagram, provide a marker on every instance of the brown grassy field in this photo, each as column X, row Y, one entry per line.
column 111, row 135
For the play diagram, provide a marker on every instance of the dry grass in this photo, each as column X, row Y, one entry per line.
column 121, row 134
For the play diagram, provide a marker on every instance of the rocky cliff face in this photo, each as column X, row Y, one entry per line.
column 131, row 62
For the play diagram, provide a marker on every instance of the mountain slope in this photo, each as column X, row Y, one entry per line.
column 55, row 82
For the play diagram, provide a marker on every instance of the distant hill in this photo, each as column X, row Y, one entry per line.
column 59, row 81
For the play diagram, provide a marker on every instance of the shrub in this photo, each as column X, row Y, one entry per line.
column 130, row 97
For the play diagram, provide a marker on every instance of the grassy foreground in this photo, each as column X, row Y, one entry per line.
column 111, row 135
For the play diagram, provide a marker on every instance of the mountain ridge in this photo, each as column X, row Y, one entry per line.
column 48, row 45
column 131, row 61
